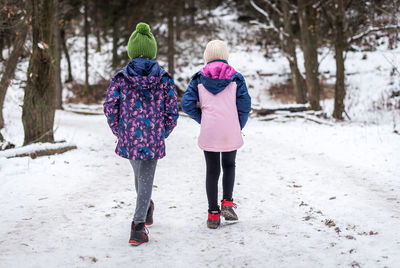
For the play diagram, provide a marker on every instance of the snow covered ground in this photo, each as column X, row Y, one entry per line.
column 308, row 195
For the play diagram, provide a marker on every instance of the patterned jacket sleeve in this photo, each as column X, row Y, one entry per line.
column 171, row 108
column 190, row 99
column 111, row 105
column 243, row 100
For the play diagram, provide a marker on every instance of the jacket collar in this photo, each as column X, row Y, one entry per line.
column 143, row 67
column 224, row 61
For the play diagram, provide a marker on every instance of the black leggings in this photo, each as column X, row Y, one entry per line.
column 213, row 164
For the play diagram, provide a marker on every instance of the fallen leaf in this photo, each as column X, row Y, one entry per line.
column 303, row 204
column 330, row 223
column 350, row 237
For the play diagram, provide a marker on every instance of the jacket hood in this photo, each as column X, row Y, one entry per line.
column 143, row 67
column 216, row 76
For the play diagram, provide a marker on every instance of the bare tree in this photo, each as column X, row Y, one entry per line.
column 340, row 41
column 394, row 36
column 281, row 18
column 288, row 45
column 11, row 64
column 39, row 100
column 86, row 31
column 307, row 18
column 192, row 11
column 21, row 29
column 171, row 37
column 97, row 27
column 115, row 34
column 58, row 54
column 66, row 53
column 344, row 36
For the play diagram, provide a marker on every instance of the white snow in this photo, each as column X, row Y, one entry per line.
column 32, row 148
column 40, row 45
column 67, row 209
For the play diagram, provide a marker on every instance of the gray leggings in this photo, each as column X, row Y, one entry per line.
column 144, row 176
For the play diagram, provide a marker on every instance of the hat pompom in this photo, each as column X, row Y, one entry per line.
column 143, row 28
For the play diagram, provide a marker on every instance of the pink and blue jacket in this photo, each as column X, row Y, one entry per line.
column 141, row 109
column 225, row 105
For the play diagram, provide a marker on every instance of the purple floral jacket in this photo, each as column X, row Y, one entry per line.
column 141, row 109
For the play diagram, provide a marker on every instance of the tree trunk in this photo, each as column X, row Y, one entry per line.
column 171, row 41
column 115, row 33
column 192, row 9
column 289, row 47
column 115, row 39
column 86, row 30
column 97, row 27
column 178, row 22
column 40, row 95
column 2, row 35
column 65, row 49
column 340, row 90
column 58, row 55
column 307, row 17
column 394, row 35
column 1, row 45
column 299, row 84
column 10, row 66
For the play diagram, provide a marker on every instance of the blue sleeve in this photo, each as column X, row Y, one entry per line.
column 190, row 99
column 243, row 100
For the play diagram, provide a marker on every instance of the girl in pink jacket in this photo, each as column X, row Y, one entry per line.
column 224, row 109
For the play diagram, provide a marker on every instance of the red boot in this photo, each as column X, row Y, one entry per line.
column 213, row 220
column 138, row 234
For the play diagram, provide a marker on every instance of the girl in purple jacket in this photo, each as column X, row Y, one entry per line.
column 224, row 109
column 141, row 110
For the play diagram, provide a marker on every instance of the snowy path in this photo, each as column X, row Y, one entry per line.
column 296, row 183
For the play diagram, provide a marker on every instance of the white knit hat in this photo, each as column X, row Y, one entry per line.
column 216, row 50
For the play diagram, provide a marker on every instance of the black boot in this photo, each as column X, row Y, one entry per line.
column 149, row 217
column 138, row 234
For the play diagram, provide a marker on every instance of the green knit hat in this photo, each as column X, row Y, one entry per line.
column 142, row 43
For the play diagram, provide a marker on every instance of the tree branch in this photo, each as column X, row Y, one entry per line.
column 371, row 30
column 260, row 10
column 274, row 7
column 265, row 27
column 265, row 14
column 292, row 7
column 330, row 18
